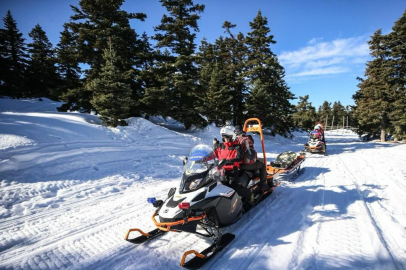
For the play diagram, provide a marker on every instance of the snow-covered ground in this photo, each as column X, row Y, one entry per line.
column 71, row 188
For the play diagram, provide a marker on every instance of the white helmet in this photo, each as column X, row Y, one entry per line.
column 227, row 132
column 318, row 126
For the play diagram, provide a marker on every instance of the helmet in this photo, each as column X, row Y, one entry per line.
column 318, row 127
column 227, row 132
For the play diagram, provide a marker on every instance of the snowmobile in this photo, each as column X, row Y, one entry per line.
column 286, row 166
column 203, row 204
column 316, row 145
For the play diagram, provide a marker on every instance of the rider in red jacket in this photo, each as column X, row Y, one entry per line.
column 229, row 153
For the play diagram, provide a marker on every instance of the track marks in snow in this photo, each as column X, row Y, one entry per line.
column 393, row 249
column 77, row 233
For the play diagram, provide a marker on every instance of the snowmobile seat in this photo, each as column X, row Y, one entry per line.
column 246, row 176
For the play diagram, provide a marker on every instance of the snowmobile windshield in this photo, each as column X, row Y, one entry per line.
column 315, row 135
column 200, row 161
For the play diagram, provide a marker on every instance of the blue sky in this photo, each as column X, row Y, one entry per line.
column 321, row 44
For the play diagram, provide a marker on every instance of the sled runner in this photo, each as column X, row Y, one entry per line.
column 203, row 204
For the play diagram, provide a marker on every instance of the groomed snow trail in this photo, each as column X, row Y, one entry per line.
column 70, row 189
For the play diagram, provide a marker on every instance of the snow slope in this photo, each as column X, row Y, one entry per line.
column 71, row 188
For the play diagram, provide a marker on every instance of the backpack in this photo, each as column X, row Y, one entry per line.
column 249, row 153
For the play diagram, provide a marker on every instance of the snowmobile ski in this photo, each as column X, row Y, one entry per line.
column 203, row 257
column 145, row 237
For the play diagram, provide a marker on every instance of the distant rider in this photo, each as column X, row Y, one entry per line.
column 318, row 128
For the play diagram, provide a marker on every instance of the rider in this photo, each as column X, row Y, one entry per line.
column 229, row 152
column 257, row 165
column 320, row 129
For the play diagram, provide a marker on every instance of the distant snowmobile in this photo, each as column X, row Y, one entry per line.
column 317, row 142
column 203, row 204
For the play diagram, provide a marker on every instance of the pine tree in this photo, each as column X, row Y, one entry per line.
column 375, row 94
column 42, row 77
column 13, row 59
column 269, row 96
column 339, row 113
column 91, row 25
column 147, row 77
column 215, row 105
column 68, row 66
column 397, row 46
column 111, row 91
column 324, row 112
column 235, row 71
column 305, row 114
column 178, row 74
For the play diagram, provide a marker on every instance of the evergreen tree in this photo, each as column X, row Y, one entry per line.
column 13, row 59
column 397, row 46
column 324, row 113
column 111, row 91
column 156, row 100
column 216, row 105
column 235, row 69
column 68, row 66
column 146, row 77
column 178, row 74
column 269, row 96
column 42, row 77
column 91, row 25
column 375, row 94
column 305, row 114
column 339, row 113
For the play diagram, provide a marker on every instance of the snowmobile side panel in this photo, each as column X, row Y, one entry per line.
column 145, row 237
column 203, row 257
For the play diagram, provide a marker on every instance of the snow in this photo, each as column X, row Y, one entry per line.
column 71, row 188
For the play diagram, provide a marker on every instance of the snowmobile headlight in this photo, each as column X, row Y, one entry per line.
column 195, row 183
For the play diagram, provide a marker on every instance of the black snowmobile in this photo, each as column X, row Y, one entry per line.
column 202, row 204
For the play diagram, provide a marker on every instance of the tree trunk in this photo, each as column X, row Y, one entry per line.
column 383, row 137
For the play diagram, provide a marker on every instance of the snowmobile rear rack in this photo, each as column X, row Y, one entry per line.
column 255, row 128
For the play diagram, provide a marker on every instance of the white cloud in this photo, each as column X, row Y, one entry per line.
column 320, row 71
column 325, row 57
column 323, row 63
column 314, row 40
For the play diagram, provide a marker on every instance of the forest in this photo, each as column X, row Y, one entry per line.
column 131, row 74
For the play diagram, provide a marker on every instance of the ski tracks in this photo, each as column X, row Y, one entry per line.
column 73, row 235
column 382, row 197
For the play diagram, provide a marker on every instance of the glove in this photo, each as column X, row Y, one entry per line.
column 222, row 163
column 229, row 162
